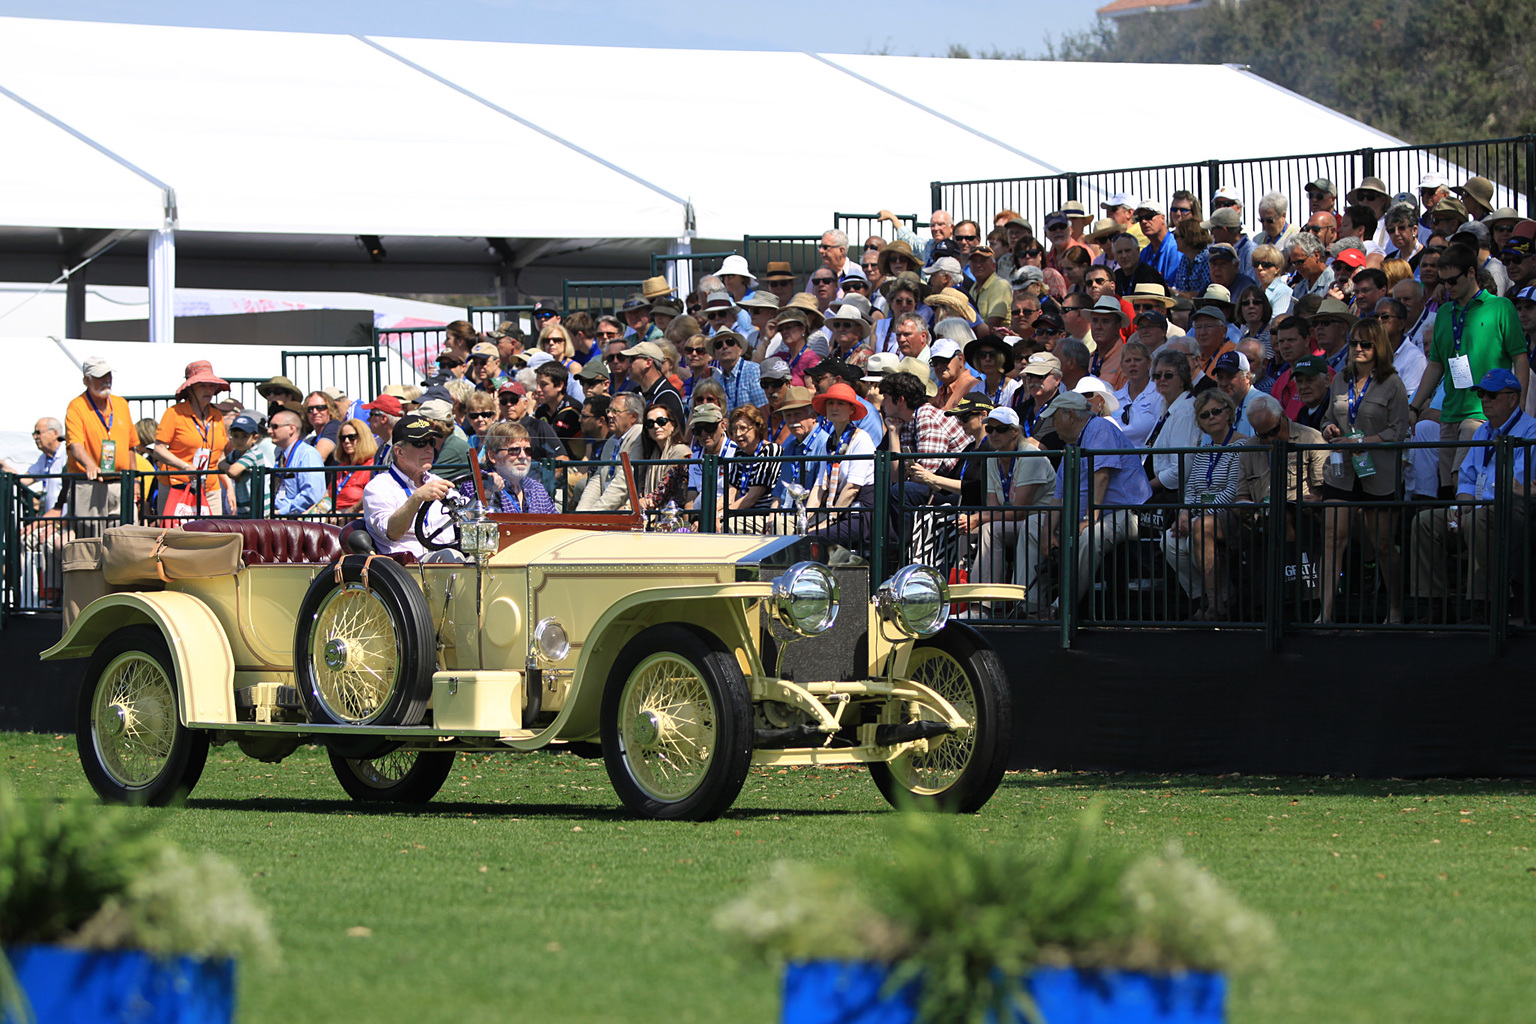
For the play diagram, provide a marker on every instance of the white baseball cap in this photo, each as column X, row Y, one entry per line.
column 1433, row 181
column 1003, row 414
column 943, row 348
column 1121, row 199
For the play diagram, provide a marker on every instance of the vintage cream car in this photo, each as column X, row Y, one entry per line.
column 684, row 658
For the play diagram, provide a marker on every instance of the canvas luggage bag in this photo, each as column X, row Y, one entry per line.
column 154, row 554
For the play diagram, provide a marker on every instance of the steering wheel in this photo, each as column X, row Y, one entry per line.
column 433, row 541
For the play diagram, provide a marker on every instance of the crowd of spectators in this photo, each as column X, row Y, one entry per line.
column 1164, row 342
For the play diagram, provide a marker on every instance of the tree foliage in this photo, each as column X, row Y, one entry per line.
column 1426, row 71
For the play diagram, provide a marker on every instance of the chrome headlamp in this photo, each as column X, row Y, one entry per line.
column 915, row 601
column 805, row 598
column 479, row 536
column 550, row 642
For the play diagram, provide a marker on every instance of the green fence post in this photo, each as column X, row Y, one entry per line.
column 1072, row 466
column 880, row 527
column 1530, row 174
column 1212, row 176
column 1498, row 571
column 708, row 497
column 1274, row 549
column 1368, row 162
column 1071, row 181
column 258, row 493
column 935, row 196
column 127, row 505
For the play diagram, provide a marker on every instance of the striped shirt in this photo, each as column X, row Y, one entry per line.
column 743, row 476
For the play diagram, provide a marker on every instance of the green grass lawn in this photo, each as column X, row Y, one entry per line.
column 524, row 892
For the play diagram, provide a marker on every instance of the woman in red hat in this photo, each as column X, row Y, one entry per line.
column 192, row 438
column 843, row 482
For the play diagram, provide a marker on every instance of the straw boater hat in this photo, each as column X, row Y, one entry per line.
column 201, row 372
column 955, row 301
column 778, row 270
column 898, row 248
column 920, row 369
column 282, row 387
column 793, row 315
column 806, row 303
column 1148, row 291
column 905, row 279
column 654, row 288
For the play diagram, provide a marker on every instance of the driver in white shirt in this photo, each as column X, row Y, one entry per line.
column 392, row 498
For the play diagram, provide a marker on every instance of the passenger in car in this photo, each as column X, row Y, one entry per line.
column 508, row 454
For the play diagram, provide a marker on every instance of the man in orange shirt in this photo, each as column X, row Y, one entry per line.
column 99, row 426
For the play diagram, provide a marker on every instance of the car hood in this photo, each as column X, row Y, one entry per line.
column 586, row 547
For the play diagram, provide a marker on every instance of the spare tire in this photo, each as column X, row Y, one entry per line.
column 363, row 649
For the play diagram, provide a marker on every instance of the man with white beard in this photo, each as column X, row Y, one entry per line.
column 508, row 488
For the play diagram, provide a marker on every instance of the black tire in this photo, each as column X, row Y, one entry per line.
column 364, row 654
column 960, row 772
column 133, row 745
column 677, row 725
column 402, row 777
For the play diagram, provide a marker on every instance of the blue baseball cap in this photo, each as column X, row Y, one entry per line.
column 245, row 422
column 1495, row 381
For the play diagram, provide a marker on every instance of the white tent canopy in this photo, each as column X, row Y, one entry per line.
column 268, row 132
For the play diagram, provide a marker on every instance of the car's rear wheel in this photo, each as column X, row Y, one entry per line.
column 133, row 745
column 958, row 771
column 676, row 726
column 401, row 776
column 363, row 651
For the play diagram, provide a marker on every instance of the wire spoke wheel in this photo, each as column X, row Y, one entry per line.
column 128, row 729
column 134, row 719
column 355, row 654
column 667, row 726
column 676, row 725
column 960, row 770
column 402, row 775
column 947, row 756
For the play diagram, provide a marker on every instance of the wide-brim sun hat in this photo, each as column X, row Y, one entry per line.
column 841, row 391
column 201, row 372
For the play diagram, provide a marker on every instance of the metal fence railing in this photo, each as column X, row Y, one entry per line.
column 799, row 251
column 1275, row 558
column 354, row 370
column 1510, row 163
column 596, row 297
column 862, row 226
column 488, row 318
column 417, row 349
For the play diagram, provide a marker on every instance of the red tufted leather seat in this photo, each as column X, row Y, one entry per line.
column 277, row 541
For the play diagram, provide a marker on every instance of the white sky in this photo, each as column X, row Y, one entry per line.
column 904, row 27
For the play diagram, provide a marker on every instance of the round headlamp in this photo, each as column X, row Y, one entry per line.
column 805, row 598
column 550, row 642
column 915, row 601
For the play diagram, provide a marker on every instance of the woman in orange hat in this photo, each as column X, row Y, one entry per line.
column 844, row 481
column 192, row 438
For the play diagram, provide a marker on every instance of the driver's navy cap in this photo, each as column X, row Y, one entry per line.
column 414, row 428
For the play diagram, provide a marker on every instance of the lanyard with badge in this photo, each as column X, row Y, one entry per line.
column 1209, row 495
column 203, row 456
column 1482, row 474
column 108, row 460
column 1461, row 366
column 1362, row 462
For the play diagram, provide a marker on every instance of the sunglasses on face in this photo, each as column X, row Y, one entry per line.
column 481, row 415
column 344, row 438
column 1313, row 229
column 727, row 341
column 315, row 408
column 1367, row 345
column 696, row 351
column 823, row 280
column 543, row 316
column 1181, row 209
column 1211, row 414
column 1271, row 434
column 420, row 444
column 1265, row 264
column 657, row 421
column 998, row 428
column 967, row 238
column 826, row 245
column 855, row 285
column 772, row 385
column 516, row 449
column 1166, row 375
column 705, row 428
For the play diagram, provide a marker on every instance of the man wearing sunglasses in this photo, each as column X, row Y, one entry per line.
column 707, row 436
column 1162, row 252
column 1475, row 333
column 508, row 487
column 393, row 497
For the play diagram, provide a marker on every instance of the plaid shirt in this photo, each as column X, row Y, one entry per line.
column 743, row 385
column 931, row 432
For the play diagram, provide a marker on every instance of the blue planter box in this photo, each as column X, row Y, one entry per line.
column 831, row 992
column 69, row 986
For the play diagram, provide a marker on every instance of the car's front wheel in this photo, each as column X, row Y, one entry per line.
column 958, row 771
column 401, row 776
column 676, row 726
column 133, row 745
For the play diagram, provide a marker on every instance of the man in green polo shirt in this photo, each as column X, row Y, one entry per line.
column 1476, row 331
